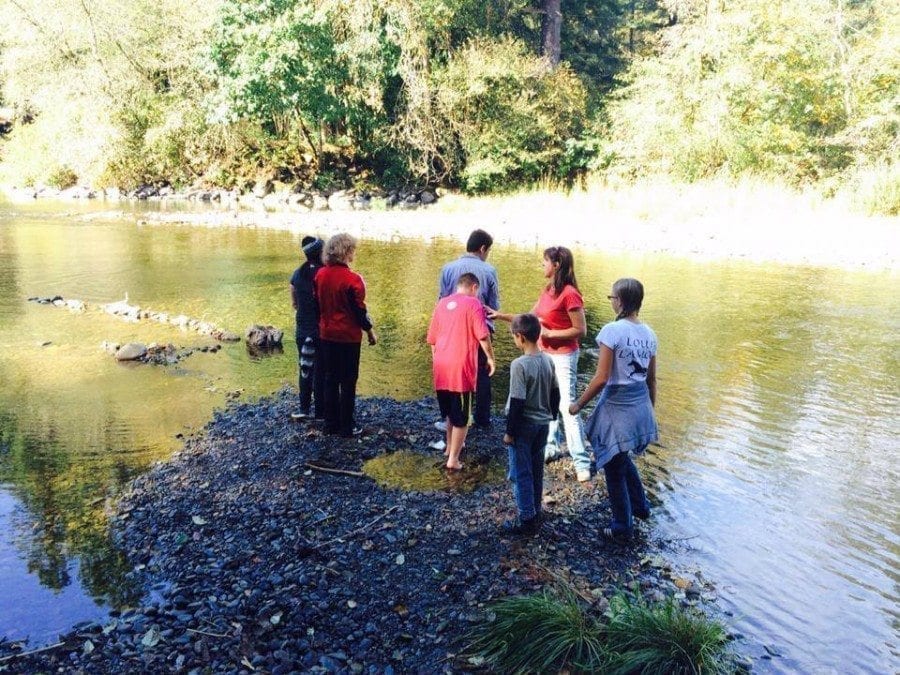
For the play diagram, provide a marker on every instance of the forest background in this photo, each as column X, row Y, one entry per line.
column 484, row 96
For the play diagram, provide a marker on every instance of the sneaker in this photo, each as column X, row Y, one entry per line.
column 518, row 527
column 549, row 459
column 438, row 445
column 583, row 475
column 302, row 415
column 441, row 426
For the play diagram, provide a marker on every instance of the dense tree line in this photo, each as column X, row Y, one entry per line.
column 486, row 95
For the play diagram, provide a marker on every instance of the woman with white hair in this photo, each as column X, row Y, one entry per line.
column 343, row 317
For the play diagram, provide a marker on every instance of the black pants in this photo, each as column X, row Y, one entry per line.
column 482, row 392
column 312, row 375
column 340, row 361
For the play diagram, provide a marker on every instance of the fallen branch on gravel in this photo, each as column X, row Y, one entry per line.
column 33, row 651
column 358, row 530
column 342, row 472
column 201, row 632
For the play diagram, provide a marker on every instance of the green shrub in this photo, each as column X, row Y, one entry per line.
column 876, row 190
column 62, row 177
column 552, row 631
column 538, row 634
column 663, row 639
column 507, row 114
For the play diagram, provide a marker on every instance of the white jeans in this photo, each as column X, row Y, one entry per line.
column 566, row 373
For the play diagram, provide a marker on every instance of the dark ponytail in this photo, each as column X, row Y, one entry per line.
column 630, row 293
column 565, row 271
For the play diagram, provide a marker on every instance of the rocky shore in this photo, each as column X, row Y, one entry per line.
column 266, row 194
column 262, row 546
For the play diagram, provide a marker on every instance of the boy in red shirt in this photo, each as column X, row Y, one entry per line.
column 458, row 327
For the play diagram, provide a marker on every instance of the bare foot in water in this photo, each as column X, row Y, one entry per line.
column 454, row 467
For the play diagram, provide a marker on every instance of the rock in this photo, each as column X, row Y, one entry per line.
column 274, row 200
column 262, row 188
column 226, row 336
column 263, row 336
column 131, row 352
column 319, row 202
column 340, row 201
column 77, row 192
column 145, row 192
column 428, row 197
column 76, row 305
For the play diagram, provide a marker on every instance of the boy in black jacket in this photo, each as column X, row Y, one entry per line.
column 533, row 404
column 303, row 299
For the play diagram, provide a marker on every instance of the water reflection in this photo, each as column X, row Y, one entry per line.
column 778, row 407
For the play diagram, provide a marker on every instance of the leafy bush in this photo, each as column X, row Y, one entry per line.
column 508, row 113
column 796, row 91
column 62, row 177
column 876, row 190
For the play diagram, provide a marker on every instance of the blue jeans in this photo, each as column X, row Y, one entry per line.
column 526, row 468
column 626, row 493
column 566, row 366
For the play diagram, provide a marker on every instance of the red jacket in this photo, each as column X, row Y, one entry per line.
column 341, row 294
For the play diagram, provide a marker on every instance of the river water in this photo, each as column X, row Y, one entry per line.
column 778, row 407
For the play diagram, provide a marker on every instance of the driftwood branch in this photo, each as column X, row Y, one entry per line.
column 33, row 651
column 341, row 472
column 202, row 632
column 355, row 532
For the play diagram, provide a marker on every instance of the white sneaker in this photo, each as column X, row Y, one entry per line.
column 437, row 445
column 441, row 426
column 583, row 475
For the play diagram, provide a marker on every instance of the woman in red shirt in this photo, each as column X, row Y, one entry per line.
column 341, row 294
column 560, row 309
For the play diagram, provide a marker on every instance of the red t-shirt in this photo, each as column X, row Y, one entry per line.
column 458, row 323
column 553, row 312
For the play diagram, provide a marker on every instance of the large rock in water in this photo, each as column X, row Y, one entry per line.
column 264, row 336
column 131, row 352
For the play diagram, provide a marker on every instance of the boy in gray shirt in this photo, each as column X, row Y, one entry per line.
column 533, row 404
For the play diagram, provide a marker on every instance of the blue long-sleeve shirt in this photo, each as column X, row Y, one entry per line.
column 488, row 286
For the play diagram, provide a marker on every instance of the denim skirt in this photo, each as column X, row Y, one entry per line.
column 622, row 421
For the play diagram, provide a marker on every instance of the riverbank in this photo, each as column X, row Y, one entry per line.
column 711, row 221
column 255, row 558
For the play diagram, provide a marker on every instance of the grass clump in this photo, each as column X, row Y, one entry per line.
column 552, row 631
column 538, row 634
column 663, row 639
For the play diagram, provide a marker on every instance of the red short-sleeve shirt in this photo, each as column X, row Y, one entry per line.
column 458, row 323
column 553, row 312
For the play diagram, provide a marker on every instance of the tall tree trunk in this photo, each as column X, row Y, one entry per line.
column 551, row 30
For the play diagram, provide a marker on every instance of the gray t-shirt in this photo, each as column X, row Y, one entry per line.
column 532, row 377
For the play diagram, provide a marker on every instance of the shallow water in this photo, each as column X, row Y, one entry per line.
column 778, row 408
column 414, row 471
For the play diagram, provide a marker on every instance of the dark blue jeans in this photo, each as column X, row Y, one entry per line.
column 626, row 493
column 526, row 468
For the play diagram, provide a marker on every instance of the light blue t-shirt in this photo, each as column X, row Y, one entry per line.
column 633, row 345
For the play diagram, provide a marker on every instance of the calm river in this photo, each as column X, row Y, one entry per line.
column 778, row 410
